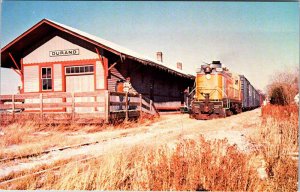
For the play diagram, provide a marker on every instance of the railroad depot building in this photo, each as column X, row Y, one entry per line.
column 52, row 57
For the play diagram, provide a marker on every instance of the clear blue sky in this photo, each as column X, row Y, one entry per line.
column 251, row 38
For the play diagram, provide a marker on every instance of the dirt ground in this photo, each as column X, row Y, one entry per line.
column 168, row 130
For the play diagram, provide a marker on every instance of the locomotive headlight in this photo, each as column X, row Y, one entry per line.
column 207, row 70
column 208, row 76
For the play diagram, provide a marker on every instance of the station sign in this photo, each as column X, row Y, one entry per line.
column 66, row 52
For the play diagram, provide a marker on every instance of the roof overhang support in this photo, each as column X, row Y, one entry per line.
column 18, row 72
column 12, row 58
column 99, row 55
column 122, row 58
column 115, row 63
column 105, row 66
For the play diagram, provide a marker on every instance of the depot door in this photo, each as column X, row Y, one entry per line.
column 81, row 83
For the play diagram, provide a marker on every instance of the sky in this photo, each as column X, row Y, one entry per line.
column 256, row 39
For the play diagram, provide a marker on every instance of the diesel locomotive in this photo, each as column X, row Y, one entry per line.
column 220, row 93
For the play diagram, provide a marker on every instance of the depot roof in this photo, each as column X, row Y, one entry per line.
column 46, row 27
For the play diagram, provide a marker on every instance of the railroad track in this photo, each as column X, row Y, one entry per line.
column 61, row 149
column 47, row 151
column 76, row 161
column 3, row 183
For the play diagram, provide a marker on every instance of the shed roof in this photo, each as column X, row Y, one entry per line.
column 46, row 27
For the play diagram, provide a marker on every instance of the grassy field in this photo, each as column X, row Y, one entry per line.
column 191, row 164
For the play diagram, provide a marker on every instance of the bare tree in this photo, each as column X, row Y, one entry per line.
column 283, row 87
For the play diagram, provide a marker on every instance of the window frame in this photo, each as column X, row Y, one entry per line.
column 47, row 78
column 80, row 68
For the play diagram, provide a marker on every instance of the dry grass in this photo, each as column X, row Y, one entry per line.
column 16, row 133
column 279, row 138
column 191, row 165
column 28, row 138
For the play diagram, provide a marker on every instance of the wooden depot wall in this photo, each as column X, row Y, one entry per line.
column 41, row 57
column 164, row 88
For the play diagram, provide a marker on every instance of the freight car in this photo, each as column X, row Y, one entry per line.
column 221, row 93
column 251, row 98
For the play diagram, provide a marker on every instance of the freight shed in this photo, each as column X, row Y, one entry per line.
column 52, row 57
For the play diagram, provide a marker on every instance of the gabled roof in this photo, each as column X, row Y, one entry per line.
column 46, row 27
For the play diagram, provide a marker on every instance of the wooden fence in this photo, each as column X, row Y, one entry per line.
column 105, row 104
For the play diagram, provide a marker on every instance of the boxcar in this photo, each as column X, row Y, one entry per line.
column 250, row 96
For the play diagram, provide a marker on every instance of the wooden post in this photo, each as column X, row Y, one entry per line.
column 73, row 106
column 107, row 106
column 126, row 107
column 41, row 107
column 13, row 106
column 141, row 115
column 151, row 106
column 95, row 99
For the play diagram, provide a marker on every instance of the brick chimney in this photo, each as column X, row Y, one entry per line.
column 179, row 65
column 159, row 56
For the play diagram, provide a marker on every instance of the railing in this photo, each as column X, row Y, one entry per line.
column 105, row 103
column 126, row 104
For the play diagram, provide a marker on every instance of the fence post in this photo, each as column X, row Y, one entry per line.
column 13, row 106
column 151, row 106
column 73, row 106
column 126, row 107
column 141, row 115
column 107, row 106
column 41, row 106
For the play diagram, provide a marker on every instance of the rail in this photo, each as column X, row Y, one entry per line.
column 105, row 104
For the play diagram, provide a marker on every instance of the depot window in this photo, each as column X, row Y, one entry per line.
column 87, row 69
column 46, row 78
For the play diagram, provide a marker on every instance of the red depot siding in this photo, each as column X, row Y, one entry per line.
column 63, row 65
